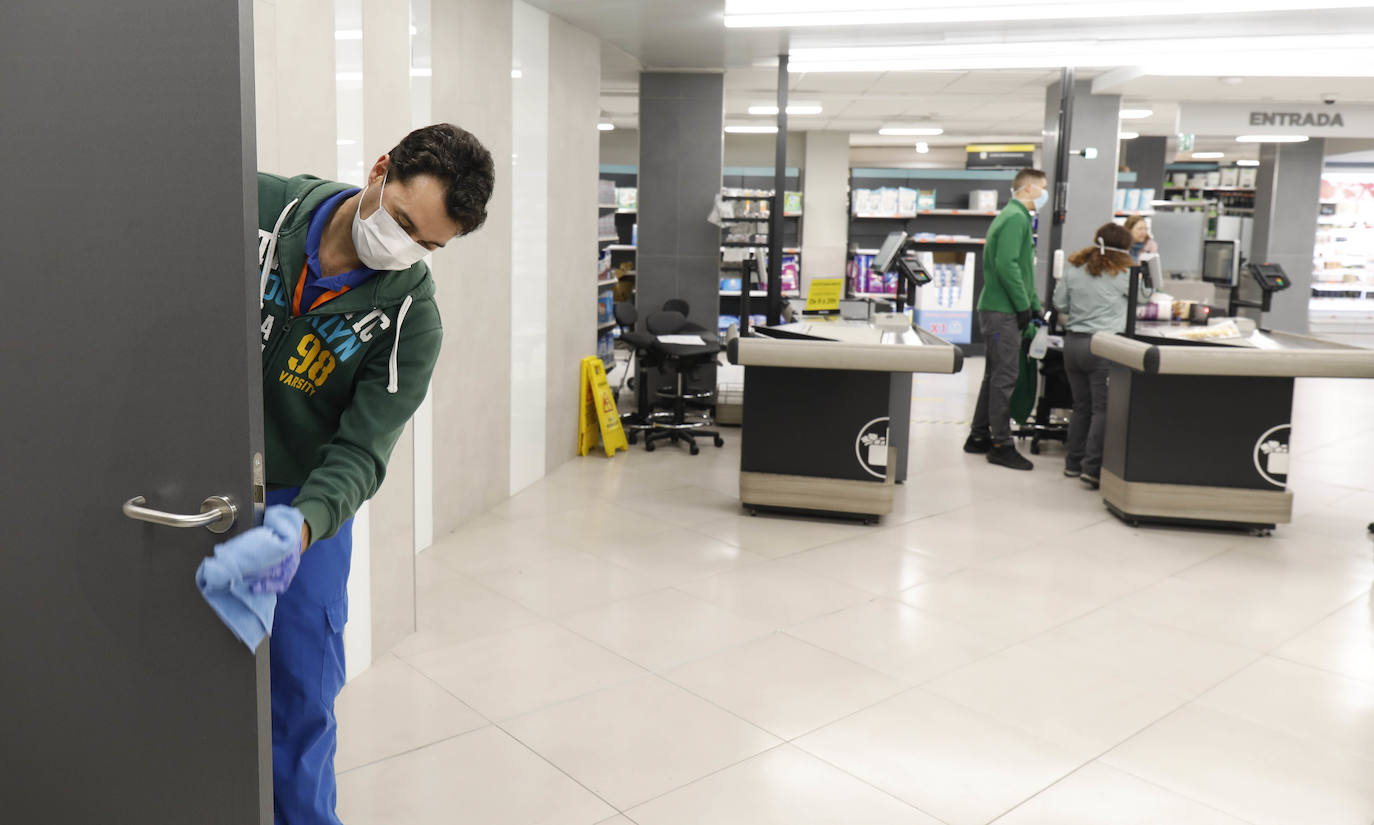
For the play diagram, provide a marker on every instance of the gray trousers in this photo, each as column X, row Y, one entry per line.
column 992, row 414
column 1088, row 427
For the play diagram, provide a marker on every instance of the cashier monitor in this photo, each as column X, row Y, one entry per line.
column 910, row 273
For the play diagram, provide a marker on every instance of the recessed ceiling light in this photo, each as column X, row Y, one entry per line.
column 1128, row 135
column 1272, row 139
column 792, row 109
column 516, row 74
column 1208, row 155
column 606, row 127
column 1135, row 114
column 1247, row 163
column 785, row 14
column 752, row 130
column 922, row 148
column 907, row 131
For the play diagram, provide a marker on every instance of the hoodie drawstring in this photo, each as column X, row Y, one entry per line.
column 396, row 346
column 272, row 251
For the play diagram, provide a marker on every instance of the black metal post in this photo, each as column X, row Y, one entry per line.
column 1061, row 177
column 775, row 221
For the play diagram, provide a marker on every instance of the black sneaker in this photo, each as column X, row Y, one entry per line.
column 977, row 445
column 1072, row 473
column 1007, row 456
column 1091, row 481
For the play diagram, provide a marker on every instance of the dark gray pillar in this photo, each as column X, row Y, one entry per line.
column 1092, row 183
column 1287, row 192
column 681, row 152
column 1147, row 156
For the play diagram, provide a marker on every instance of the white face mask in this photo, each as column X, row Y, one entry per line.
column 381, row 242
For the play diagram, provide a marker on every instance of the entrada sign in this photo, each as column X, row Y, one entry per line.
column 1322, row 119
column 1235, row 118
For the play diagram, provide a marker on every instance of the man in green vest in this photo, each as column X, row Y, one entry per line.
column 1006, row 306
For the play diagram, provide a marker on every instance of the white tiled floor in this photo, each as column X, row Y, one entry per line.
column 619, row 644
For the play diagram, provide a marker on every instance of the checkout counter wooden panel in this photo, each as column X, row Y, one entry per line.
column 825, row 420
column 1198, row 432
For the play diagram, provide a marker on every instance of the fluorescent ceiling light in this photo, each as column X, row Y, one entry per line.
column 1208, row 155
column 420, row 72
column 1247, row 163
column 1136, row 114
column 606, row 127
column 911, row 130
column 752, row 130
column 1128, row 135
column 799, row 13
column 922, row 148
column 1273, row 55
column 1272, row 139
column 792, row 109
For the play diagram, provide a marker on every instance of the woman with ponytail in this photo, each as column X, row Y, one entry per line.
column 1092, row 297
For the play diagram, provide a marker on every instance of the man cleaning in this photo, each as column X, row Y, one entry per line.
column 350, row 334
column 1006, row 306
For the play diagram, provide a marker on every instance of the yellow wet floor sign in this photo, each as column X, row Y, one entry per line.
column 598, row 413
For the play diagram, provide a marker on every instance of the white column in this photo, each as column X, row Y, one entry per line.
column 529, row 278
column 825, row 206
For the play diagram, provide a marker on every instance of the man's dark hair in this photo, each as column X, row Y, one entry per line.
column 458, row 160
column 1027, row 176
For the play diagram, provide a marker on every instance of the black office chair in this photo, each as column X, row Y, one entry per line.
column 642, row 356
column 677, row 305
column 683, row 360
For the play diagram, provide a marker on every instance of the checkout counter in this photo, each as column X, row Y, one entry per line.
column 1198, row 426
column 827, row 410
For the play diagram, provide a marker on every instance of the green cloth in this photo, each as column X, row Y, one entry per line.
column 1009, row 263
column 330, row 419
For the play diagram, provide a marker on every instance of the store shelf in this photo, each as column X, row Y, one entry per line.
column 758, row 293
column 607, row 238
column 627, row 211
column 606, row 325
column 967, row 213
column 621, row 247
column 1132, row 212
column 875, row 295
column 952, row 242
column 608, row 282
column 608, row 206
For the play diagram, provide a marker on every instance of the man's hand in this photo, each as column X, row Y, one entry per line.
column 1023, row 319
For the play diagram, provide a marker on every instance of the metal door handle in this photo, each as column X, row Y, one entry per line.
column 217, row 514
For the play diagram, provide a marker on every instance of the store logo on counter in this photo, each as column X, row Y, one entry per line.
column 1271, row 455
column 871, row 447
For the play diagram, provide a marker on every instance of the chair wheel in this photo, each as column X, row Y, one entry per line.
column 1035, row 448
column 720, row 442
column 695, row 449
column 648, row 446
column 632, row 438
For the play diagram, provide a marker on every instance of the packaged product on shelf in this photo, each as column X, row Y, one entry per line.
column 791, row 203
column 1230, row 177
column 983, row 200
column 605, row 192
column 1247, row 177
column 791, row 272
column 1147, row 200
column 627, row 197
column 1213, row 180
column 906, row 202
column 925, row 199
column 1120, row 200
column 889, row 201
column 605, row 308
column 1179, row 179
column 724, row 322
column 731, row 284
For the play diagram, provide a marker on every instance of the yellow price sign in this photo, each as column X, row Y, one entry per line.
column 825, row 294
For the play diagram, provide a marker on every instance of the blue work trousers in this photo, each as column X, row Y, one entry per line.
column 307, row 674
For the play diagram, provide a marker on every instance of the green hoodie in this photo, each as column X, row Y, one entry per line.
column 338, row 387
column 1009, row 263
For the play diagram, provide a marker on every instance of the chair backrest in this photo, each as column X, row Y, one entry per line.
column 665, row 322
column 677, row 305
column 625, row 314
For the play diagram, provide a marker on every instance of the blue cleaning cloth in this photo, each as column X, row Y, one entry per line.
column 227, row 579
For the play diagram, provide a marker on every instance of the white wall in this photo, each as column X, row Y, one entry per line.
column 455, row 461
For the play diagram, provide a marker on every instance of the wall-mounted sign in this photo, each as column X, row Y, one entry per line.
column 1269, row 118
column 1185, row 142
column 999, row 156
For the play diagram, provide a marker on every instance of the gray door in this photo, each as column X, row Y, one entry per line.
column 129, row 366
